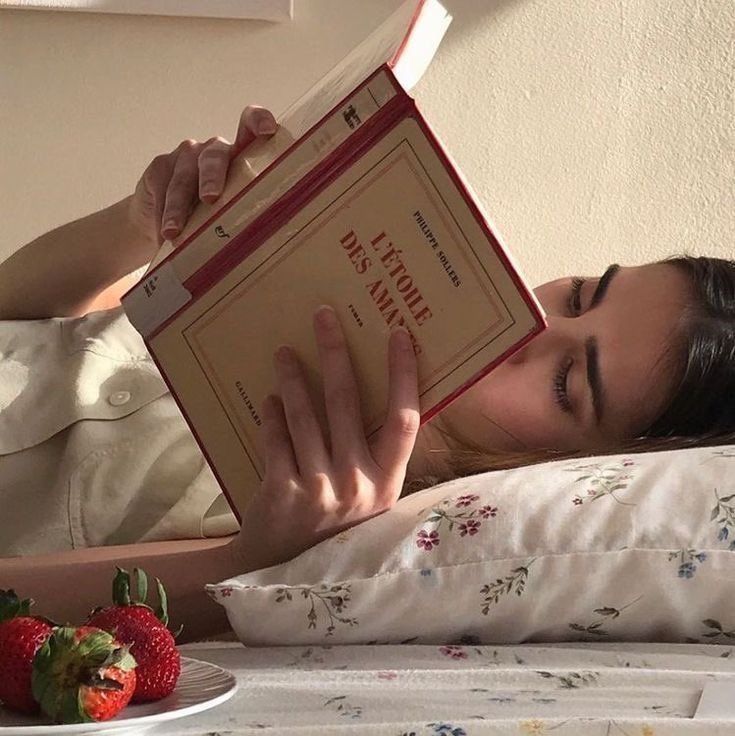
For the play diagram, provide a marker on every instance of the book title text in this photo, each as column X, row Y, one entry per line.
column 394, row 272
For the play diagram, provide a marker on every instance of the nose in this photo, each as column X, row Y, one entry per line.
column 558, row 336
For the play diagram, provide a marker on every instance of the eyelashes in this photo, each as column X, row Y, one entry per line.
column 574, row 301
column 561, row 377
column 561, row 395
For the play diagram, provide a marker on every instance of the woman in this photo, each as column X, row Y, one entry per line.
column 640, row 352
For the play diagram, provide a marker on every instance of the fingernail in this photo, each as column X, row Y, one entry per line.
column 285, row 354
column 266, row 126
column 326, row 316
column 403, row 337
column 209, row 190
column 170, row 225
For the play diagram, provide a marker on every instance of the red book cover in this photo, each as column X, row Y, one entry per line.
column 383, row 229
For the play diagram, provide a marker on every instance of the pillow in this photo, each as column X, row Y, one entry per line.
column 621, row 547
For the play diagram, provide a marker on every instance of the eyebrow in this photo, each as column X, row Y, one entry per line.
column 590, row 345
column 603, row 284
column 593, row 376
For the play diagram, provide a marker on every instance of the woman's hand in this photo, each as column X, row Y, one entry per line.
column 314, row 487
column 171, row 184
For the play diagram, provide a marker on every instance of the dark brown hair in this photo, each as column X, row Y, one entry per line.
column 704, row 401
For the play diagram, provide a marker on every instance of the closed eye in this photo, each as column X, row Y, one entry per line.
column 574, row 301
column 561, row 392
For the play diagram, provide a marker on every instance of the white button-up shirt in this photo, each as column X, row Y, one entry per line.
column 93, row 448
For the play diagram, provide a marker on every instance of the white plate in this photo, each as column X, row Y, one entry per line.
column 201, row 686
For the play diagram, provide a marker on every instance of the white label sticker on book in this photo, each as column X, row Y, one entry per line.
column 156, row 298
column 717, row 701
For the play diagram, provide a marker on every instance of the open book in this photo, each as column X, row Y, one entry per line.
column 352, row 203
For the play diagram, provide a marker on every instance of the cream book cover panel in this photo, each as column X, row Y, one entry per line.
column 390, row 241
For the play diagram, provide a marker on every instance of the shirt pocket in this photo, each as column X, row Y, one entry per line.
column 148, row 482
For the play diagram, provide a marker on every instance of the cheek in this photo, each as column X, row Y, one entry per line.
column 505, row 411
column 553, row 295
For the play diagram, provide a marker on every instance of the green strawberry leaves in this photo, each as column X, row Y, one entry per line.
column 11, row 606
column 162, row 609
column 121, row 592
column 68, row 659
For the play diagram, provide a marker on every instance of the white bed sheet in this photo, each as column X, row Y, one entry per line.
column 588, row 688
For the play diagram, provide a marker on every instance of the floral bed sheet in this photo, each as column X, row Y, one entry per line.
column 593, row 688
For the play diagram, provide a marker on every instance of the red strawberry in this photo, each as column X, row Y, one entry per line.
column 134, row 623
column 159, row 661
column 21, row 636
column 83, row 674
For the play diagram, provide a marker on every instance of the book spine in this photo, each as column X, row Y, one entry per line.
column 162, row 292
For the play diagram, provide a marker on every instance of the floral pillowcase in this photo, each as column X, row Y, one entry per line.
column 634, row 547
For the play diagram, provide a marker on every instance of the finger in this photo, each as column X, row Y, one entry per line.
column 154, row 182
column 397, row 437
column 214, row 161
column 341, row 396
column 254, row 121
column 303, row 426
column 280, row 463
column 182, row 189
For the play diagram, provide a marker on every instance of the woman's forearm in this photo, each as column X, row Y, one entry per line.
column 61, row 273
column 66, row 586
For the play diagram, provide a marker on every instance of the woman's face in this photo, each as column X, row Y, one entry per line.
column 603, row 370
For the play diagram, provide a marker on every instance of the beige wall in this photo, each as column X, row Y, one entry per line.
column 592, row 131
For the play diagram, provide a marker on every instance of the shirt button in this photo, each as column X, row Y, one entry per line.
column 119, row 398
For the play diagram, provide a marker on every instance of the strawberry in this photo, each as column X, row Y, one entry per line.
column 82, row 674
column 159, row 661
column 133, row 622
column 21, row 636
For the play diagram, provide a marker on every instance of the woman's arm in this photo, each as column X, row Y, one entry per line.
column 86, row 265
column 76, row 267
column 66, row 586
